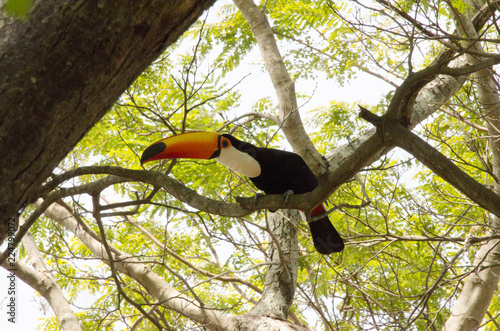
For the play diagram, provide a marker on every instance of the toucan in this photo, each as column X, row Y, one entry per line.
column 271, row 170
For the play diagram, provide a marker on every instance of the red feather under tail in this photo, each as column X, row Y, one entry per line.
column 325, row 237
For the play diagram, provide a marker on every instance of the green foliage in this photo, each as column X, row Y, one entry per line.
column 231, row 34
column 18, row 8
column 337, row 124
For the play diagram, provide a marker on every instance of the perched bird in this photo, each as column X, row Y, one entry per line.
column 271, row 170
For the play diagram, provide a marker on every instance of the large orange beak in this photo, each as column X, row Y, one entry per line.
column 193, row 145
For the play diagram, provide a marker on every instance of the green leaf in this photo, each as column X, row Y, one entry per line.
column 18, row 8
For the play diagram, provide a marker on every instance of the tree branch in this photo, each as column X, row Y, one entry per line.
column 137, row 270
column 173, row 187
column 44, row 283
column 111, row 262
column 245, row 206
column 41, row 280
column 289, row 116
column 397, row 135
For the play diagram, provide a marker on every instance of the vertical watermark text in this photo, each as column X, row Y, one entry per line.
column 11, row 271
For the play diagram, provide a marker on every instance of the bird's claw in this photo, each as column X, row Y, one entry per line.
column 287, row 195
column 257, row 197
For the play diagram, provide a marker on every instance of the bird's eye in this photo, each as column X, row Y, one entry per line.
column 225, row 143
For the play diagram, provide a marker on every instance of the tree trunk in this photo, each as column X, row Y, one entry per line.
column 281, row 277
column 290, row 121
column 62, row 69
column 481, row 285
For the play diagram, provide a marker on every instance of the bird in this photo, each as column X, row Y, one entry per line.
column 272, row 171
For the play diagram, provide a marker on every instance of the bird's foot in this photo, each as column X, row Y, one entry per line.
column 256, row 200
column 257, row 197
column 287, row 195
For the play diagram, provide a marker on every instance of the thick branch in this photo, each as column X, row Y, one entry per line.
column 41, row 280
column 173, row 187
column 289, row 116
column 244, row 207
column 397, row 135
column 281, row 277
column 50, row 290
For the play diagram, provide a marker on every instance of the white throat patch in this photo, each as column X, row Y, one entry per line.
column 239, row 162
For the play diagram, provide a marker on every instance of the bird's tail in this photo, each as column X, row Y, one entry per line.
column 326, row 239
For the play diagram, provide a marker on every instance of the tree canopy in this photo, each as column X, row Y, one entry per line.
column 411, row 180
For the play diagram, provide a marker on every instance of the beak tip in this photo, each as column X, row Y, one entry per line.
column 152, row 151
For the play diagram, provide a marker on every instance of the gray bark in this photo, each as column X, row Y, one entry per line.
column 41, row 280
column 481, row 285
column 281, row 277
column 46, row 285
column 289, row 119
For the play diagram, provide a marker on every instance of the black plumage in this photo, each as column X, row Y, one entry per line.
column 282, row 171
